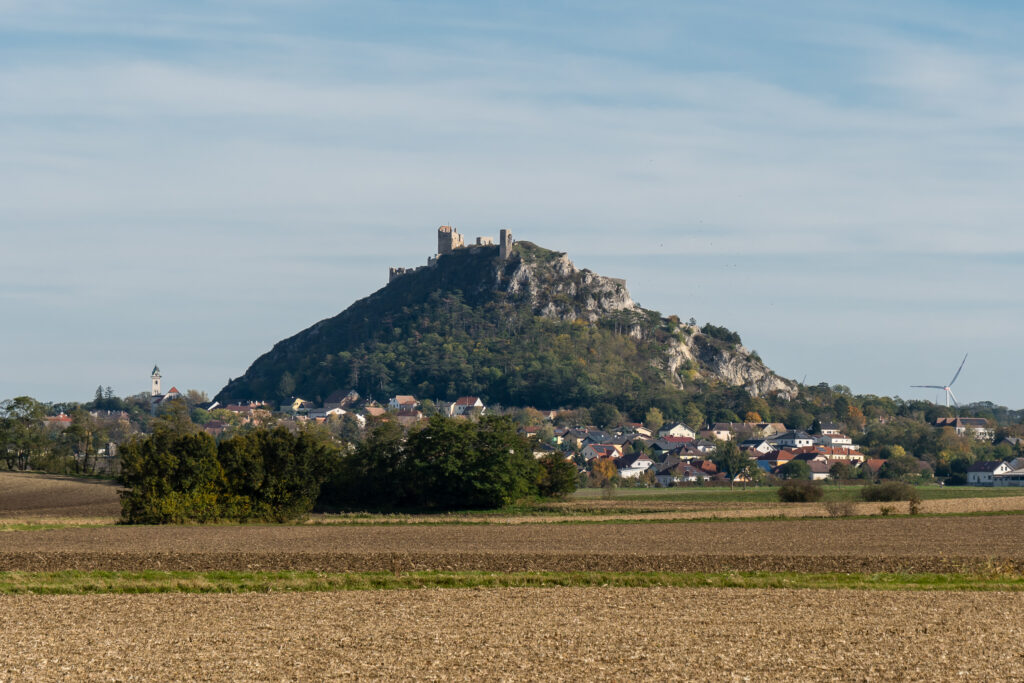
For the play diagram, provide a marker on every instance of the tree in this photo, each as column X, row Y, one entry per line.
column 603, row 470
column 80, row 437
column 730, row 459
column 899, row 467
column 172, row 477
column 841, row 470
column 796, row 469
column 606, row 415
column 374, row 476
column 21, row 431
column 558, row 476
column 654, row 419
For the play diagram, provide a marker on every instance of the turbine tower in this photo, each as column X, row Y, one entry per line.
column 946, row 388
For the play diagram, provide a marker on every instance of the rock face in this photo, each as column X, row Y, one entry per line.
column 738, row 368
column 556, row 289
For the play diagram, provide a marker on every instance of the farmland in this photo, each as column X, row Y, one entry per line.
column 474, row 595
column 921, row 544
column 516, row 634
column 38, row 497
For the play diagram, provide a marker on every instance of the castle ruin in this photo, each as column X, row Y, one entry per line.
column 449, row 239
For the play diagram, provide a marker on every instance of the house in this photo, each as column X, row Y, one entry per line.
column 758, row 445
column 968, row 426
column 402, row 401
column 820, row 470
column 61, row 421
column 375, row 411
column 873, row 465
column 829, row 429
column 1015, row 477
column 835, row 439
column 676, row 429
column 984, row 473
column 467, row 405
column 633, row 465
column 408, row 416
column 792, row 439
column 324, row 413
column 638, row 428
column 675, row 471
column 594, row 450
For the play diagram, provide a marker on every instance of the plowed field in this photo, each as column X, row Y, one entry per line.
column 50, row 496
column 918, row 544
column 517, row 634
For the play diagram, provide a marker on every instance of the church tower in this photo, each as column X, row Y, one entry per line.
column 156, row 381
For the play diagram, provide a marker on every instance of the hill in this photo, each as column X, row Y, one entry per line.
column 528, row 329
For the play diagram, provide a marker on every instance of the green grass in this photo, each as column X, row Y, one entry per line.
column 767, row 494
column 96, row 582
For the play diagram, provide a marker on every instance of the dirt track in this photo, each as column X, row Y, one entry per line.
column 895, row 544
column 517, row 634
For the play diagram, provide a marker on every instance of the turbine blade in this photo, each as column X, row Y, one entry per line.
column 958, row 371
column 926, row 386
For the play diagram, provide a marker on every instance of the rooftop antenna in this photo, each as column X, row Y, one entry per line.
column 947, row 388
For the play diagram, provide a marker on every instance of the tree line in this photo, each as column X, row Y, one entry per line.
column 179, row 474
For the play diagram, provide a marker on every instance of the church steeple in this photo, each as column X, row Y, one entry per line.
column 156, row 380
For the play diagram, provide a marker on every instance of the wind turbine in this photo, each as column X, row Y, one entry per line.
column 947, row 388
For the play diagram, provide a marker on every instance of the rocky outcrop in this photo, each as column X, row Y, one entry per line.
column 736, row 366
column 557, row 289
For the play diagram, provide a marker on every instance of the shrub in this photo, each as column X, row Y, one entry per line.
column 839, row 508
column 800, row 491
column 889, row 491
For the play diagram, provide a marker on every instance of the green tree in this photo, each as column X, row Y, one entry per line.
column 730, row 459
column 654, row 419
column 796, row 469
column 899, row 467
column 606, row 415
column 841, row 470
column 21, row 431
column 558, row 478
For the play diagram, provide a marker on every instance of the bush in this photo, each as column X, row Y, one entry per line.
column 800, row 491
column 839, row 508
column 889, row 491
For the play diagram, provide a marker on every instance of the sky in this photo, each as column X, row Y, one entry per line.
column 187, row 183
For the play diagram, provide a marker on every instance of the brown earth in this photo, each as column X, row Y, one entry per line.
column 517, row 634
column 25, row 495
column 939, row 544
column 609, row 511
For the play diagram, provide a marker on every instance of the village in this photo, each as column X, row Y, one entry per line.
column 655, row 454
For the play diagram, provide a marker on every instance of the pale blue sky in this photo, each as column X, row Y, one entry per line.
column 187, row 183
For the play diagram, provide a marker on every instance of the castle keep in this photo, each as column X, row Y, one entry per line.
column 449, row 239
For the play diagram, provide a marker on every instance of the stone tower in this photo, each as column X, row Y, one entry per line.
column 448, row 239
column 505, row 243
column 156, row 381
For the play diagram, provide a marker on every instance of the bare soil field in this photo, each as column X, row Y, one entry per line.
column 612, row 510
column 517, row 634
column 51, row 497
column 907, row 544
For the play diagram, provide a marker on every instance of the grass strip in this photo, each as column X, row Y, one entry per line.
column 98, row 582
